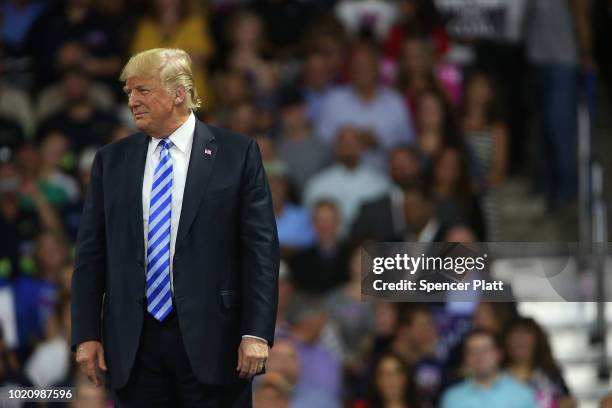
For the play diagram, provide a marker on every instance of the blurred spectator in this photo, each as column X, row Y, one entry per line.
column 365, row 104
column 36, row 296
column 25, row 209
column 392, row 385
column 292, row 221
column 243, row 118
column 267, row 147
column 80, row 119
column 502, row 56
column 295, row 15
column 417, row 73
column 247, row 39
column 382, row 219
column 493, row 317
column 53, row 150
column 348, row 182
column 271, row 392
column 417, row 19
column 75, row 85
column 320, row 381
column 50, row 361
column 35, row 190
column 487, row 138
column 71, row 212
column 10, row 372
column 231, row 89
column 178, row 24
column 17, row 225
column 354, row 318
column 304, row 154
column 285, row 292
column 529, row 359
column 17, row 19
column 386, row 323
column 15, row 109
column 317, row 80
column 558, row 43
column 435, row 123
column 454, row 190
column 59, row 36
column 284, row 360
column 415, row 342
column 426, row 222
column 487, row 386
column 122, row 15
column 405, row 165
column 322, row 266
column 327, row 37
column 11, row 137
column 606, row 401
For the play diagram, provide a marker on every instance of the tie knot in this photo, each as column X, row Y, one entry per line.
column 165, row 144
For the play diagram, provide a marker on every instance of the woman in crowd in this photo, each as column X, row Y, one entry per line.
column 529, row 359
column 435, row 124
column 392, row 385
column 175, row 23
column 486, row 135
column 354, row 319
column 418, row 72
column 454, row 189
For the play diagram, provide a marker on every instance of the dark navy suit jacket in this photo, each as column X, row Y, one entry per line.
column 225, row 264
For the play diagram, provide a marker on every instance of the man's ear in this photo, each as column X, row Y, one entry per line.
column 179, row 96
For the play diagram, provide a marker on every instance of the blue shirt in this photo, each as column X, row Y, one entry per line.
column 505, row 392
column 386, row 115
column 17, row 21
column 35, row 301
column 294, row 227
column 348, row 188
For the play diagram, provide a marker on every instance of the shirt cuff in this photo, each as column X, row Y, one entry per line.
column 255, row 337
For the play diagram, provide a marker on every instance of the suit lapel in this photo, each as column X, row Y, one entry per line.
column 203, row 152
column 136, row 160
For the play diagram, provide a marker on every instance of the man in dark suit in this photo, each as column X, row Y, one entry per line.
column 175, row 287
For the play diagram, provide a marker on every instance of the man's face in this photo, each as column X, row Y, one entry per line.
column 404, row 167
column 417, row 210
column 149, row 102
column 348, row 146
column 482, row 356
column 326, row 222
column 364, row 66
column 423, row 331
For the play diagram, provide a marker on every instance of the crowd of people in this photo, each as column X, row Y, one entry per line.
column 376, row 120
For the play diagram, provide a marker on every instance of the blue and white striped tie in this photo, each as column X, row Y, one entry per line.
column 159, row 296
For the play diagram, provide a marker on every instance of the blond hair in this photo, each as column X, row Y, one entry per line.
column 173, row 66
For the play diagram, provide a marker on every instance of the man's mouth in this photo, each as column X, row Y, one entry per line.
column 139, row 114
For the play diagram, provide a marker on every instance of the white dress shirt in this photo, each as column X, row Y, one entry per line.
column 180, row 152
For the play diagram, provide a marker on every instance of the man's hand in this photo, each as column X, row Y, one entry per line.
column 90, row 357
column 252, row 355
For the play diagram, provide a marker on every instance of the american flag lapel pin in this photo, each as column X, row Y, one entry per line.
column 207, row 152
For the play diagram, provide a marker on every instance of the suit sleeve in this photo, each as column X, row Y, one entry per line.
column 88, row 279
column 260, row 251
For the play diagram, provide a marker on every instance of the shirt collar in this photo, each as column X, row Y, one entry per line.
column 183, row 135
